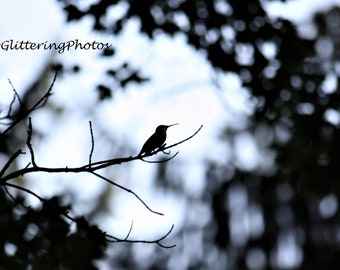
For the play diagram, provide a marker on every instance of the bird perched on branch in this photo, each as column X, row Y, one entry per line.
column 156, row 140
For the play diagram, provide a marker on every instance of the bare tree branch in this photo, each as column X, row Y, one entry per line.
column 25, row 190
column 10, row 108
column 8, row 193
column 28, row 142
column 127, row 190
column 180, row 142
column 41, row 102
column 91, row 167
column 15, row 94
column 106, row 163
column 92, row 144
column 9, row 116
column 128, row 234
column 9, row 162
column 156, row 241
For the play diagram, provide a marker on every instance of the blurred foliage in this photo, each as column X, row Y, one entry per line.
column 42, row 238
column 254, row 218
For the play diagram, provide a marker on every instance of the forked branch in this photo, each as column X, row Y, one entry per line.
column 91, row 167
column 127, row 240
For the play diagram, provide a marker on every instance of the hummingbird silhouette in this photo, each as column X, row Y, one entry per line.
column 155, row 141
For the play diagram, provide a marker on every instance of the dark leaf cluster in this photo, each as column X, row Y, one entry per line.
column 41, row 238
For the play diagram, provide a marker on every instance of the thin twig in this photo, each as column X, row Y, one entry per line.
column 25, row 190
column 15, row 93
column 127, row 236
column 10, row 108
column 88, row 168
column 166, row 235
column 107, row 236
column 28, row 142
column 106, row 163
column 95, row 165
column 9, row 194
column 157, row 241
column 180, row 142
column 41, row 102
column 9, row 162
column 15, row 200
column 127, row 190
column 92, row 144
column 109, row 162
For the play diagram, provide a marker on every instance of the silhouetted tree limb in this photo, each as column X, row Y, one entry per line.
column 157, row 241
column 9, row 162
column 106, row 163
column 107, row 236
column 127, row 190
column 92, row 144
column 16, row 95
column 33, row 167
column 24, row 189
column 91, row 167
column 21, row 115
column 10, row 108
column 28, row 142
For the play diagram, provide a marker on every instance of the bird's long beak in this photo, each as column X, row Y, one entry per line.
column 172, row 125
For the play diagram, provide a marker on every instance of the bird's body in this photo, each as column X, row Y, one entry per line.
column 155, row 141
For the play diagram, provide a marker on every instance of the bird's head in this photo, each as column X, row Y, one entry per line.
column 163, row 128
